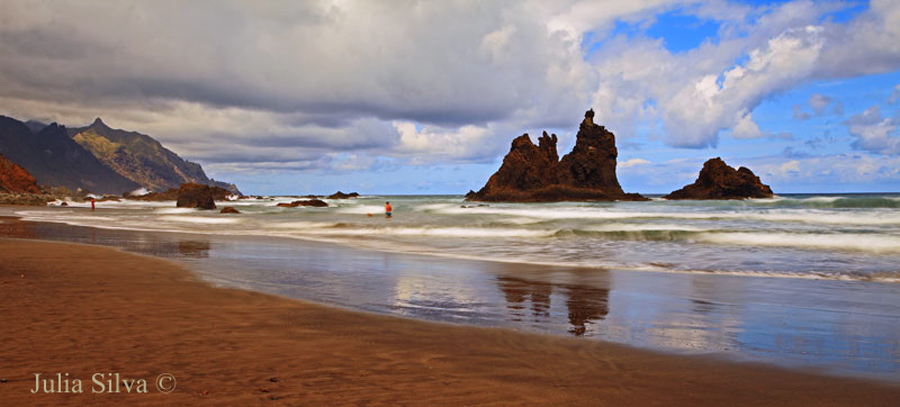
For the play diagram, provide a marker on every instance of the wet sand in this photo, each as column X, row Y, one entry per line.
column 84, row 309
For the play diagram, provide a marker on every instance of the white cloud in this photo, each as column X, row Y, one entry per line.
column 819, row 102
column 874, row 133
column 634, row 162
column 799, row 114
column 246, row 84
column 894, row 95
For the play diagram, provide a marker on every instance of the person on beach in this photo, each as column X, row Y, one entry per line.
column 387, row 209
column 92, row 204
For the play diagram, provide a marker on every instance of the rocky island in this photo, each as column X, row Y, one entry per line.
column 718, row 180
column 534, row 173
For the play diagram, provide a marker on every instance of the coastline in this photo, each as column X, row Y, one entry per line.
column 83, row 309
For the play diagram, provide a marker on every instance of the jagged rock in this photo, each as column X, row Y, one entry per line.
column 54, row 159
column 534, row 173
column 229, row 209
column 718, row 180
column 140, row 158
column 341, row 195
column 15, row 179
column 311, row 202
column 195, row 196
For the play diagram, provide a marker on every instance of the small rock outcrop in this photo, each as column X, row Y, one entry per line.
column 195, row 196
column 534, row 173
column 341, row 195
column 718, row 180
column 311, row 202
column 230, row 209
column 15, row 179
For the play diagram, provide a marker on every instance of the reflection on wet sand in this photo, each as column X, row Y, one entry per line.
column 586, row 305
column 174, row 246
column 11, row 227
column 791, row 322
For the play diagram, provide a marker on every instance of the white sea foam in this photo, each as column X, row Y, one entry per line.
column 435, row 231
column 801, row 215
column 301, row 225
column 642, row 227
column 200, row 220
column 361, row 209
column 167, row 211
column 840, row 242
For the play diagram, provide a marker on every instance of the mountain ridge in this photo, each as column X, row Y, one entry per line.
column 97, row 158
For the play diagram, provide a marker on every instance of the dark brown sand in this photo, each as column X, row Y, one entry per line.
column 81, row 310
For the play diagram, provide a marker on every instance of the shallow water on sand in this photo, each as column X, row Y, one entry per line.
column 841, row 237
column 833, row 326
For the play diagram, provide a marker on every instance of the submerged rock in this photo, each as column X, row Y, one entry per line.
column 341, row 195
column 311, row 202
column 534, row 173
column 195, row 196
column 718, row 180
column 229, row 209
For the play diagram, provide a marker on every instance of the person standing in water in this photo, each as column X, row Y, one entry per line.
column 92, row 204
column 387, row 209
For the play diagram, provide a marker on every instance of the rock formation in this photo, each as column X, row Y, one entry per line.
column 140, row 158
column 718, row 180
column 15, row 179
column 311, row 202
column 54, row 159
column 97, row 157
column 195, row 196
column 534, row 173
column 230, row 209
column 341, row 195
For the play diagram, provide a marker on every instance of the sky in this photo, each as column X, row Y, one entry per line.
column 425, row 97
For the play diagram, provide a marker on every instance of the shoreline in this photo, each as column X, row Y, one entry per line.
column 82, row 309
column 709, row 315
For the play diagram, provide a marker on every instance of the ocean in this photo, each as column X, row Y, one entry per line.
column 844, row 237
column 808, row 281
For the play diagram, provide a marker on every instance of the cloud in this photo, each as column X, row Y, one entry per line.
column 895, row 95
column 799, row 114
column 818, row 103
column 356, row 84
column 874, row 133
column 634, row 162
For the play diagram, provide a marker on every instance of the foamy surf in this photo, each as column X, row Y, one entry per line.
column 797, row 237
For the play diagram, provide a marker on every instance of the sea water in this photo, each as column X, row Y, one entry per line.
column 845, row 237
column 805, row 281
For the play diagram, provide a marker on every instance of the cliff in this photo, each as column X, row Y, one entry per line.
column 54, row 159
column 718, row 180
column 15, row 179
column 140, row 158
column 534, row 173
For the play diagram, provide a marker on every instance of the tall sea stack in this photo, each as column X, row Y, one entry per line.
column 534, row 173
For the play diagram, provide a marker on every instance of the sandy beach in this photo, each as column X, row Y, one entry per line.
column 84, row 310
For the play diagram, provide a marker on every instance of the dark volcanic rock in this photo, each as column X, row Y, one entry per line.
column 15, row 179
column 534, row 173
column 195, row 196
column 718, row 180
column 341, row 195
column 311, row 202
column 229, row 209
